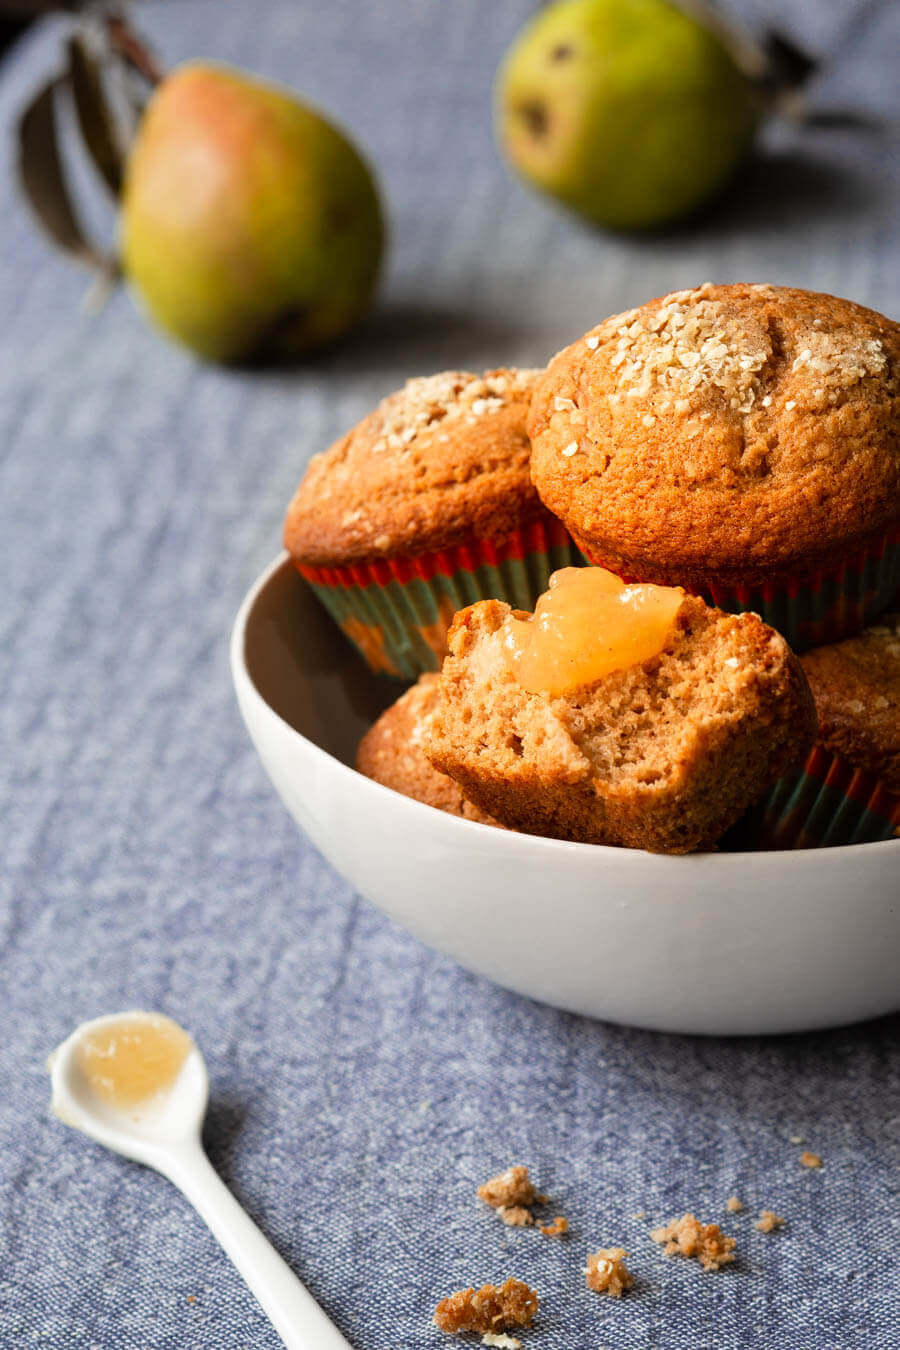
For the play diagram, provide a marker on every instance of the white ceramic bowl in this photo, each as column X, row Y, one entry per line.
column 715, row 943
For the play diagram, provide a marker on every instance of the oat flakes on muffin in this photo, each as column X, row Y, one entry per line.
column 662, row 752
column 423, row 507
column 391, row 753
column 742, row 441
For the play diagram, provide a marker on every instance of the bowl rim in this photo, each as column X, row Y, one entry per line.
column 552, row 847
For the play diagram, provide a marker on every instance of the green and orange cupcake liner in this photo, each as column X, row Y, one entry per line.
column 823, row 606
column 826, row 803
column 398, row 610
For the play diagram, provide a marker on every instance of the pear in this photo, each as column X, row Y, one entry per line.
column 250, row 225
column 631, row 112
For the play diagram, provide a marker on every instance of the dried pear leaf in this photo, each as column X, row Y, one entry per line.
column 99, row 130
column 43, row 178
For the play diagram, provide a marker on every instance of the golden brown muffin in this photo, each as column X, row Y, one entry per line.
column 663, row 755
column 423, row 508
column 724, row 436
column 444, row 458
column 856, row 687
column 391, row 753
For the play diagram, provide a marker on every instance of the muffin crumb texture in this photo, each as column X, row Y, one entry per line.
column 501, row 1340
column 810, row 1160
column 607, row 1273
column 559, row 1226
column 703, row 1242
column 492, row 1308
column 734, row 1205
column 769, row 1221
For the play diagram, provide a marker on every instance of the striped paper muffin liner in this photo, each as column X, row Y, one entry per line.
column 825, row 606
column 826, row 803
column 397, row 610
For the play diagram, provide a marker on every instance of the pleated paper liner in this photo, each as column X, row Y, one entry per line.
column 826, row 803
column 398, row 611
column 826, row 606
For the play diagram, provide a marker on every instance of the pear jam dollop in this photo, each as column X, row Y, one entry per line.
column 138, row 1055
column 588, row 624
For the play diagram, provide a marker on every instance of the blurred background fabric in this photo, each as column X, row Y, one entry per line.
column 362, row 1087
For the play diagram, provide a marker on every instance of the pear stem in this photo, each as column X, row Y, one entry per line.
column 125, row 42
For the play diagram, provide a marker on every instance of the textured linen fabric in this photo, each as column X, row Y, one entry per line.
column 362, row 1086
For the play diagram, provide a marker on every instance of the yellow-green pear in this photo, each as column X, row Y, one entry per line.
column 631, row 112
column 250, row 226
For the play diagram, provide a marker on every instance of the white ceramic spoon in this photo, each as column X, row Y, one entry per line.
column 163, row 1132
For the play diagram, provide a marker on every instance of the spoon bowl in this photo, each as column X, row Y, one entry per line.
column 137, row 1130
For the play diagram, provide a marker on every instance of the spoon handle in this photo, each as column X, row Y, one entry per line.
column 293, row 1312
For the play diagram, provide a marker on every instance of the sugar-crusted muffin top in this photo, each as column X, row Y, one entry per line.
column 441, row 459
column 736, row 430
column 856, row 687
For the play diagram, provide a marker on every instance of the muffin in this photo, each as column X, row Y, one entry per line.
column 391, row 753
column 741, row 441
column 663, row 753
column 848, row 792
column 424, row 507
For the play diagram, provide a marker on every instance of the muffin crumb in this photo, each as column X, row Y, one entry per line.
column 768, row 1221
column 810, row 1160
column 606, row 1272
column 501, row 1340
column 797, row 1139
column 492, row 1308
column 703, row 1242
column 559, row 1226
column 515, row 1216
column 508, row 1189
column 734, row 1205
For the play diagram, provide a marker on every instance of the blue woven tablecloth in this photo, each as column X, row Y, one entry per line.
column 362, row 1086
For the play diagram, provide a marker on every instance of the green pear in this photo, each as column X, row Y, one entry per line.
column 631, row 112
column 250, row 226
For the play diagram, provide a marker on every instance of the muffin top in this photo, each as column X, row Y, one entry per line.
column 442, row 459
column 392, row 753
column 856, row 686
column 727, row 430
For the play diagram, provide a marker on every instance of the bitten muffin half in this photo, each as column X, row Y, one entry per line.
column 742, row 441
column 391, row 753
column 422, row 508
column 662, row 755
